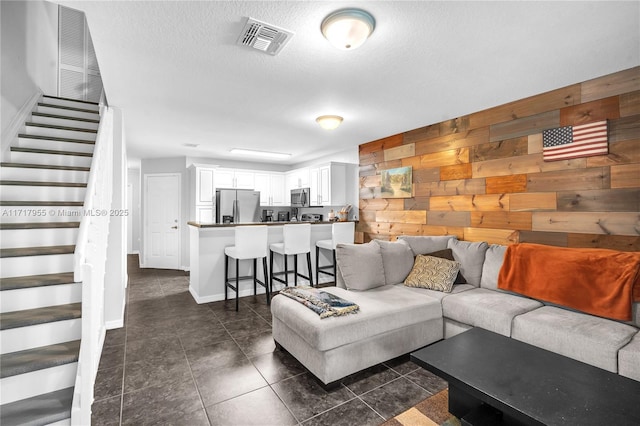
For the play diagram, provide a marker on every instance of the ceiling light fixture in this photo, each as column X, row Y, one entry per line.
column 329, row 122
column 348, row 29
column 266, row 154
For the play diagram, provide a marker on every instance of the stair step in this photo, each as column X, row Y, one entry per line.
column 44, row 174
column 11, row 203
column 64, row 117
column 66, row 110
column 55, row 139
column 60, row 98
column 29, row 360
column 51, row 151
column 51, row 126
column 39, row 410
column 36, row 265
column 36, row 251
column 39, row 225
column 31, row 281
column 38, row 183
column 15, row 319
column 60, row 131
column 45, row 166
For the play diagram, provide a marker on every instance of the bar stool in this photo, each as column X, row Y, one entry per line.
column 341, row 233
column 250, row 243
column 297, row 240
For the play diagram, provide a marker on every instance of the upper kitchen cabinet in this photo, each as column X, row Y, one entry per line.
column 332, row 184
column 232, row 178
column 298, row 178
column 202, row 193
column 271, row 187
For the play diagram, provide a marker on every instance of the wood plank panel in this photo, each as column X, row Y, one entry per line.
column 416, row 203
column 443, row 230
column 370, row 181
column 368, row 193
column 630, row 104
column 358, row 237
column 625, row 128
column 504, row 184
column 453, row 141
column 524, row 126
column 368, row 170
column 611, row 85
column 400, row 152
column 500, row 149
column 421, row 133
column 458, row 171
column 450, row 187
column 544, row 102
column 369, row 158
column 438, row 159
column 619, row 153
column 602, row 109
column 501, row 220
column 601, row 200
column 377, row 228
column 612, row 242
column 491, row 236
column 532, row 201
column 565, row 180
column 548, row 238
column 493, row 202
column 402, row 216
column 382, row 204
column 381, row 144
column 367, row 215
column 625, row 176
column 396, row 229
column 532, row 163
column 609, row 223
column 535, row 143
column 439, row 218
column 455, row 125
column 431, row 174
column 386, row 165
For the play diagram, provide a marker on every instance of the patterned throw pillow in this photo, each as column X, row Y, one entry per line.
column 433, row 273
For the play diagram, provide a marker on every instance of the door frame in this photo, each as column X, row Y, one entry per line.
column 145, row 243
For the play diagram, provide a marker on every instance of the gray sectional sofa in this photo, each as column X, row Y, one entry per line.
column 395, row 319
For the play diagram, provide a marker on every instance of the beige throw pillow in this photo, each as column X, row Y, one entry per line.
column 433, row 273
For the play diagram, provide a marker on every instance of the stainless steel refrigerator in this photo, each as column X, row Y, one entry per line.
column 237, row 206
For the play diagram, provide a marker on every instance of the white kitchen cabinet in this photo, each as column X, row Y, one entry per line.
column 232, row 178
column 271, row 187
column 329, row 185
column 202, row 193
column 295, row 179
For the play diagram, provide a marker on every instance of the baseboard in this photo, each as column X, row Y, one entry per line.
column 110, row 325
column 11, row 132
column 186, row 268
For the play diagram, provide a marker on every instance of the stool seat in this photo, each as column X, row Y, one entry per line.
column 281, row 249
column 325, row 244
column 234, row 252
column 297, row 240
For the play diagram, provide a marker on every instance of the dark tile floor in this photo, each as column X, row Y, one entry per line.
column 179, row 363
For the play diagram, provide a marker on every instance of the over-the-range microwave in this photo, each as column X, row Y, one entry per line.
column 300, row 197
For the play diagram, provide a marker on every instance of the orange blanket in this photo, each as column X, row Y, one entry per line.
column 597, row 281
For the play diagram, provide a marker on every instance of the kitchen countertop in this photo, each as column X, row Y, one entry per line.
column 230, row 225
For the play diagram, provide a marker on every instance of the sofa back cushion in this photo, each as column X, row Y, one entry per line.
column 426, row 244
column 360, row 265
column 397, row 260
column 494, row 256
column 471, row 258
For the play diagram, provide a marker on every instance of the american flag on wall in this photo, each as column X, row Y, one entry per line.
column 568, row 142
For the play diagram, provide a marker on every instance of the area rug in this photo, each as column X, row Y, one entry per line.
column 433, row 411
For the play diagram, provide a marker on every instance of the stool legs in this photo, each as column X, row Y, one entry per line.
column 309, row 268
column 323, row 269
column 226, row 275
column 286, row 271
column 317, row 265
column 256, row 281
column 237, row 283
column 266, row 280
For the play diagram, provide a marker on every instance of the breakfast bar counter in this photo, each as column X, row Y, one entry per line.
column 208, row 240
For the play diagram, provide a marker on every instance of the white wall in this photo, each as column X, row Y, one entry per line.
column 133, row 179
column 29, row 44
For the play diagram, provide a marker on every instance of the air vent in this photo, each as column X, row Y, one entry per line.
column 265, row 37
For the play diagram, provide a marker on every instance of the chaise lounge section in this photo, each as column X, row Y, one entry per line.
column 395, row 319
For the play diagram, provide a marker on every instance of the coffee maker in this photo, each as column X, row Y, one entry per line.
column 267, row 215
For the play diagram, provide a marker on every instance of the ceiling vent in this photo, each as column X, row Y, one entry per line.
column 265, row 37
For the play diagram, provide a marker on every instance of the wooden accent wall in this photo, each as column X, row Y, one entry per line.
column 482, row 177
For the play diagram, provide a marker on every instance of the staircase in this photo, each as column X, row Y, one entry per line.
column 41, row 205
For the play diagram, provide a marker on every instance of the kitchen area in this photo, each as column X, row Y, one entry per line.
column 223, row 198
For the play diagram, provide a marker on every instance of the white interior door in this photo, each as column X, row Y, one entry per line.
column 162, row 221
column 130, row 219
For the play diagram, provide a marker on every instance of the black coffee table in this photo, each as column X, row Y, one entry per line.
column 497, row 380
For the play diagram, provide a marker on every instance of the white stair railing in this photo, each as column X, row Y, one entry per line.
column 89, row 267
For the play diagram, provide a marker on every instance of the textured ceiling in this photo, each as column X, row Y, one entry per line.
column 175, row 69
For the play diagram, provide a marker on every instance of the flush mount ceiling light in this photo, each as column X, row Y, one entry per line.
column 348, row 29
column 329, row 122
column 265, row 154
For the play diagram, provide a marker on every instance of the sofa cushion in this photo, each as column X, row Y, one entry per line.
column 434, row 273
column 489, row 309
column 382, row 310
column 629, row 359
column 584, row 337
column 426, row 244
column 457, row 288
column 491, row 267
column 360, row 265
column 397, row 259
column 471, row 258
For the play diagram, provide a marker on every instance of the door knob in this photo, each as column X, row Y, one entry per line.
column 174, row 227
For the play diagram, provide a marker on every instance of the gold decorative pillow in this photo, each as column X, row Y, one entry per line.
column 433, row 273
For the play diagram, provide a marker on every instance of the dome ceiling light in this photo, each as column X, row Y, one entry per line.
column 348, row 29
column 329, row 122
